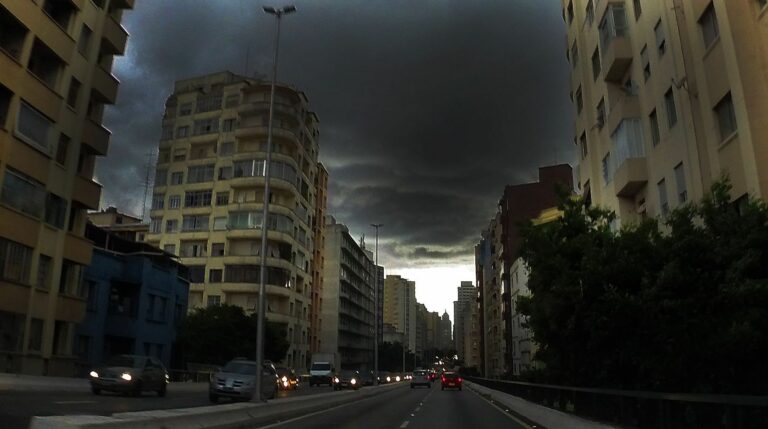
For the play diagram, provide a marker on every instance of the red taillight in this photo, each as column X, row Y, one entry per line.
column 459, row 379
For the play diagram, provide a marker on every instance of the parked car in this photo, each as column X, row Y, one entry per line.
column 420, row 378
column 237, row 380
column 287, row 379
column 450, row 380
column 130, row 374
column 367, row 378
column 347, row 379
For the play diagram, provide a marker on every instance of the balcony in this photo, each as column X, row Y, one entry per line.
column 630, row 177
column 626, row 107
column 615, row 48
column 96, row 136
column 115, row 36
column 87, row 192
column 105, row 85
column 78, row 249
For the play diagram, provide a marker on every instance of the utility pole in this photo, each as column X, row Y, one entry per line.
column 147, row 177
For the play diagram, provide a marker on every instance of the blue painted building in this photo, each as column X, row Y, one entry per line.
column 137, row 295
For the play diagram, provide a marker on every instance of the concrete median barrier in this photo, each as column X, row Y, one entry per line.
column 227, row 416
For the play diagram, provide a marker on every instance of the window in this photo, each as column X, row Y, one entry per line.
column 669, row 102
column 232, row 100
column 60, row 12
column 93, row 296
column 217, row 249
column 207, row 103
column 226, row 148
column 590, row 12
column 35, row 335
column 646, row 63
column 166, row 133
column 84, row 41
column 228, row 125
column 570, row 12
column 34, row 128
column 205, row 126
column 193, row 249
column 170, row 248
column 574, row 54
column 596, row 64
column 222, row 198
column 44, row 269
column 606, row 168
column 638, row 9
column 158, row 201
column 601, row 113
column 197, row 198
column 161, row 177
column 182, row 132
column 663, row 201
column 185, row 109
column 174, row 202
column 682, row 191
column 225, row 173
column 613, row 25
column 5, row 95
column 215, row 275
column 219, row 223
column 200, row 173
column 55, row 210
column 62, row 148
column 654, row 122
column 708, row 24
column 14, row 34
column 196, row 273
column 214, row 300
column 583, row 144
column 71, row 281
column 579, row 101
column 179, row 154
column 195, row 223
column 74, row 90
column 661, row 42
column 155, row 225
column 23, row 193
column 177, row 178
column 726, row 117
column 171, row 225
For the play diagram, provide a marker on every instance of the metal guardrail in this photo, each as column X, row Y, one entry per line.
column 643, row 409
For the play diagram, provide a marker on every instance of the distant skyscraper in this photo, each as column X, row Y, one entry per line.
column 400, row 307
column 466, row 296
column 446, row 339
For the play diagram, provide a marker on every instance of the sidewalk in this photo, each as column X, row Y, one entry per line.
column 546, row 417
column 36, row 383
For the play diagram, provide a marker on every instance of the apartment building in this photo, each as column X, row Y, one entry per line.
column 669, row 96
column 317, row 263
column 121, row 224
column 208, row 197
column 489, row 268
column 470, row 353
column 348, row 301
column 55, row 79
column 466, row 295
column 445, row 336
column 400, row 307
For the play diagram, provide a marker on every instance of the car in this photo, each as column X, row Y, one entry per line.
column 347, row 379
column 321, row 373
column 420, row 378
column 432, row 375
column 367, row 378
column 450, row 380
column 237, row 381
column 131, row 374
column 287, row 379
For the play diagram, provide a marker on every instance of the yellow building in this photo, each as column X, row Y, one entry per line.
column 55, row 63
column 400, row 307
column 318, row 260
column 669, row 95
column 208, row 193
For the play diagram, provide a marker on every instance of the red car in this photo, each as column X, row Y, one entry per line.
column 450, row 380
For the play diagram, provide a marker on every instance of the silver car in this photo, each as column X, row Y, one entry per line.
column 237, row 380
column 420, row 378
column 130, row 374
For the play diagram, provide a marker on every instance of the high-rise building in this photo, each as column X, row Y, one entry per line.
column 668, row 96
column 432, row 330
column 400, row 307
column 55, row 79
column 209, row 192
column 445, row 335
column 421, row 330
column 380, row 303
column 471, row 332
column 348, row 302
column 317, row 264
column 466, row 296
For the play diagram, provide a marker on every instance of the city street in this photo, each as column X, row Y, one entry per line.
column 16, row 407
column 404, row 407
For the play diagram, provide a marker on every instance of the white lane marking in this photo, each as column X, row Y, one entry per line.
column 73, row 402
column 405, row 424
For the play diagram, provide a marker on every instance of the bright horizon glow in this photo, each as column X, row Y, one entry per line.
column 436, row 287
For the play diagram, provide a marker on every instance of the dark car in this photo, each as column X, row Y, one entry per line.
column 287, row 379
column 420, row 378
column 347, row 379
column 450, row 380
column 237, row 380
column 367, row 378
column 130, row 374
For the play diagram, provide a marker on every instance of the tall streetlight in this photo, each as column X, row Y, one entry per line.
column 376, row 308
column 278, row 13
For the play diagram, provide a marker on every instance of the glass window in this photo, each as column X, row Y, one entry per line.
column 171, row 225
column 55, row 210
column 654, row 122
column 196, row 273
column 222, row 198
column 200, row 173
column 177, row 178
column 215, row 275
column 583, row 144
column 74, row 91
column 166, row 132
column 646, row 63
column 62, row 148
column 638, row 9
column 185, row 109
column 606, row 168
column 195, row 223
column 217, row 249
column 613, row 24
column 226, row 148
column 574, row 54
column 179, row 154
column 193, row 249
column 579, row 101
column 182, row 132
column 44, row 269
column 596, row 64
column 590, row 12
column 34, row 128
column 208, row 102
column 663, row 201
column 601, row 113
column 155, row 225
column 228, row 125
column 219, row 223
column 23, row 193
column 661, row 41
column 205, row 126
column 11, row 331
column 708, row 23
column 669, row 102
column 214, row 300
column 726, row 117
column 158, row 201
column 197, row 198
column 682, row 190
column 174, row 202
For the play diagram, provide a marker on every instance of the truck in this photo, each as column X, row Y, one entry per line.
column 322, row 370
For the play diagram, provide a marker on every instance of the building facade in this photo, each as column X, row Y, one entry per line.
column 489, row 268
column 56, row 61
column 669, row 96
column 137, row 296
column 445, row 335
column 123, row 225
column 348, row 301
column 471, row 333
column 466, row 295
column 523, row 347
column 209, row 191
column 400, row 307
column 317, row 264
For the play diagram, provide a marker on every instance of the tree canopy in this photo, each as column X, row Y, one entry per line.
column 680, row 305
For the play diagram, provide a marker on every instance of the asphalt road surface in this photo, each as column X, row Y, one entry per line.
column 421, row 408
column 17, row 407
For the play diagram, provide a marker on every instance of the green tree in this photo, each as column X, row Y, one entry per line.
column 680, row 306
column 216, row 334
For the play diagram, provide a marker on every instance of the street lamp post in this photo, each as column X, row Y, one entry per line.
column 278, row 13
column 376, row 308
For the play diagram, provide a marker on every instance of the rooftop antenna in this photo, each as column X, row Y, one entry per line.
column 147, row 177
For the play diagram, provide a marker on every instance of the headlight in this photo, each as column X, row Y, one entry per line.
column 389, row 379
column 94, row 374
column 125, row 376
column 285, row 384
column 397, row 378
column 285, row 379
column 335, row 379
column 353, row 381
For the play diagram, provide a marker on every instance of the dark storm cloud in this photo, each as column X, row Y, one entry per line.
column 427, row 108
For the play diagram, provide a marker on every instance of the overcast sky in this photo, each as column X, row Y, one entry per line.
column 427, row 108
